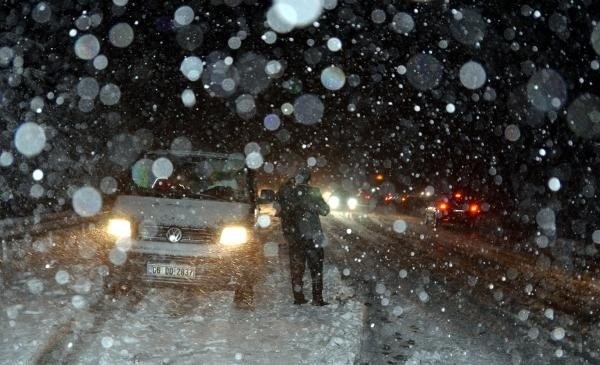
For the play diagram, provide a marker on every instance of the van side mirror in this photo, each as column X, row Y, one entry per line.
column 266, row 196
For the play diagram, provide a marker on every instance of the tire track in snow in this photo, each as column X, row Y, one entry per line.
column 68, row 338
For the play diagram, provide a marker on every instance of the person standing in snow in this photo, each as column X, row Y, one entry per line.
column 300, row 206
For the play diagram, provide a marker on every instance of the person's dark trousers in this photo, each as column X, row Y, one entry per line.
column 301, row 254
column 315, row 258
column 297, row 260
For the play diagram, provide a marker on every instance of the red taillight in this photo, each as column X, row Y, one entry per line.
column 474, row 208
column 458, row 195
column 443, row 206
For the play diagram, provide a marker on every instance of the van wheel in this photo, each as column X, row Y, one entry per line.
column 243, row 298
column 117, row 283
column 117, row 288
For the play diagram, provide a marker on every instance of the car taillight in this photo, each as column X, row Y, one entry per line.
column 474, row 208
column 443, row 206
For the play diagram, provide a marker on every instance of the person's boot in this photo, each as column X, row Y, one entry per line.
column 299, row 299
column 319, row 302
column 318, row 299
column 317, row 292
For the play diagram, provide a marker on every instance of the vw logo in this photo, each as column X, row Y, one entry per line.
column 174, row 234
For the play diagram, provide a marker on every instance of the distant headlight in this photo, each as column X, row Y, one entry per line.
column 232, row 236
column 352, row 203
column 119, row 228
column 326, row 195
column 334, row 202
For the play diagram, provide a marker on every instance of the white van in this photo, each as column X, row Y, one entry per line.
column 188, row 218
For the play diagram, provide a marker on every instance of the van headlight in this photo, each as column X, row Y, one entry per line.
column 234, row 235
column 119, row 228
column 352, row 203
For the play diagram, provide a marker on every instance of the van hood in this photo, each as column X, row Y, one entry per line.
column 181, row 212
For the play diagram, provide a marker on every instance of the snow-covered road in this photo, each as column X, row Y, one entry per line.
column 429, row 302
column 170, row 325
column 416, row 297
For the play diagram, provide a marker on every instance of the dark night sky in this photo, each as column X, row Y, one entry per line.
column 385, row 133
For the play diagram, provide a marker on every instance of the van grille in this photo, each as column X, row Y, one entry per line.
column 188, row 234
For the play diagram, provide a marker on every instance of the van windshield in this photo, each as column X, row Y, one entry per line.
column 176, row 177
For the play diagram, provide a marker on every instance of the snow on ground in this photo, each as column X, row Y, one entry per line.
column 401, row 328
column 36, row 311
column 416, row 318
column 29, row 322
column 175, row 326
column 431, row 338
column 169, row 327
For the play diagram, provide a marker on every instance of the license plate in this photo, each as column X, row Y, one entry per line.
column 170, row 270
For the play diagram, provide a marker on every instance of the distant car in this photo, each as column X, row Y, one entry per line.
column 343, row 201
column 266, row 203
column 267, row 209
column 456, row 209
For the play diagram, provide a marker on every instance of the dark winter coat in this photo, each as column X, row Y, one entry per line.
column 284, row 204
column 300, row 208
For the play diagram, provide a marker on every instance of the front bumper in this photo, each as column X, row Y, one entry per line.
column 213, row 264
column 163, row 248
